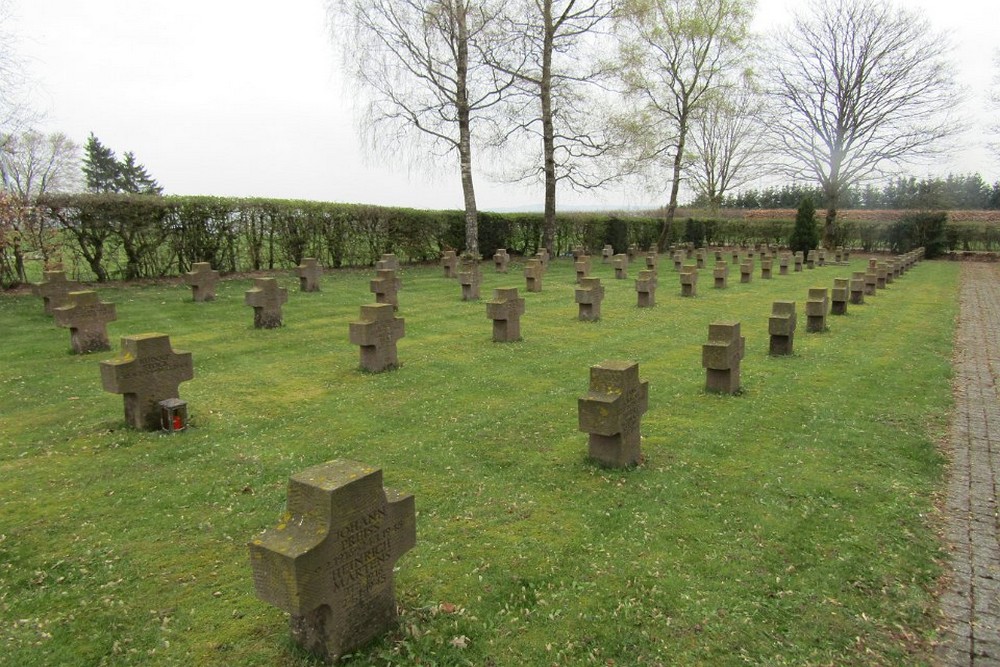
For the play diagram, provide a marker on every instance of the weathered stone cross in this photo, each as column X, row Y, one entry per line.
column 505, row 309
column 612, row 411
column 87, row 320
column 377, row 333
column 266, row 298
column 147, row 371
column 309, row 273
column 202, row 280
column 54, row 290
column 329, row 561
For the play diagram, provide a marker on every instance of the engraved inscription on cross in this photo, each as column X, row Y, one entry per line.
column 202, row 280
column 329, row 560
column 54, row 290
column 377, row 333
column 612, row 411
column 87, row 319
column 505, row 309
column 309, row 273
column 721, row 357
column 266, row 298
column 147, row 371
column 385, row 286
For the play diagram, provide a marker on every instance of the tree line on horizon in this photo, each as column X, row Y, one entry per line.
column 955, row 192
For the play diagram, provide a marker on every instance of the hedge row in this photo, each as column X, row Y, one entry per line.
column 132, row 236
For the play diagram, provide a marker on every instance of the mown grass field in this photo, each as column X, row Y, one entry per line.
column 793, row 524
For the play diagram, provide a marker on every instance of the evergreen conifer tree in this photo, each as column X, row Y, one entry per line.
column 805, row 236
column 106, row 173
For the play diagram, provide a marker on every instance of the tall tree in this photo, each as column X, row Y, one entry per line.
column 727, row 142
column 104, row 172
column 863, row 86
column 34, row 164
column 678, row 59
column 418, row 66
column 552, row 48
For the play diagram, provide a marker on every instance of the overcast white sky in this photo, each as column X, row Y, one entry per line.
column 243, row 97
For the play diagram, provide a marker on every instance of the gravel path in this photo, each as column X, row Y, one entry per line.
column 971, row 603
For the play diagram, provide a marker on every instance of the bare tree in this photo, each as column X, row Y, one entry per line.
column 15, row 113
column 31, row 165
column 552, row 49
column 863, row 86
column 34, row 164
column 417, row 64
column 727, row 140
column 679, row 58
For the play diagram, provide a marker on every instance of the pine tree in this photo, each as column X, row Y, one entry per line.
column 100, row 166
column 133, row 177
column 106, row 173
column 805, row 236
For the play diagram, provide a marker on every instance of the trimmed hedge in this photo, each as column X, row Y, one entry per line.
column 141, row 236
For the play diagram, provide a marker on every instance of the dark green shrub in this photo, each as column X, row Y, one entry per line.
column 694, row 232
column 616, row 234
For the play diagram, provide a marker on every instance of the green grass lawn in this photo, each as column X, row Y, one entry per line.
column 793, row 524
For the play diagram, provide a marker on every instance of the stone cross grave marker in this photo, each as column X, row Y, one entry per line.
column 611, row 413
column 736, row 257
column 309, row 273
column 678, row 258
column 377, row 332
column 746, row 271
column 202, row 279
column 266, row 298
column 645, row 287
column 881, row 275
column 390, row 261
column 798, row 261
column 633, row 250
column 816, row 309
column 781, row 327
column 543, row 256
column 652, row 259
column 577, row 251
column 783, row 263
column 689, row 281
column 607, row 252
column 871, row 282
column 582, row 267
column 386, row 287
column 589, row 295
column 718, row 255
column 533, row 275
column 500, row 260
column 505, row 309
column 54, row 290
column 891, row 271
column 839, row 296
column 87, row 319
column 329, row 560
column 858, row 288
column 821, row 257
column 699, row 258
column 721, row 357
column 146, row 372
column 469, row 277
column 811, row 259
column 765, row 268
column 721, row 275
column 449, row 262
column 620, row 263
